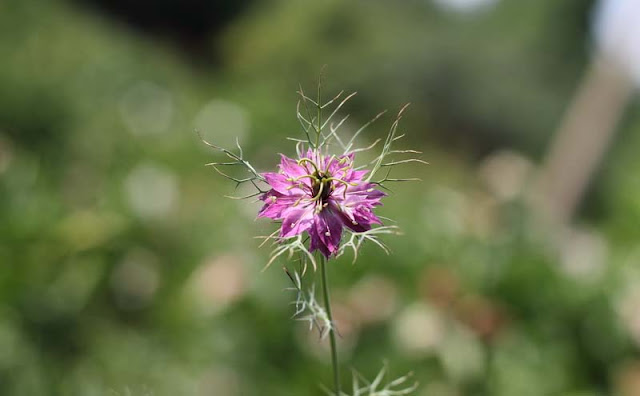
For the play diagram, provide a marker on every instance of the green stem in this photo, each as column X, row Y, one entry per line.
column 488, row 367
column 332, row 333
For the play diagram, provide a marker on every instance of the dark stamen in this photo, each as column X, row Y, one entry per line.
column 321, row 187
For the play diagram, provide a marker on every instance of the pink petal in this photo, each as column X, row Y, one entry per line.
column 317, row 244
column 282, row 184
column 276, row 203
column 351, row 221
column 328, row 226
column 296, row 220
column 291, row 169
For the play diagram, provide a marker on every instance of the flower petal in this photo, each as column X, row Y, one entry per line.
column 275, row 203
column 292, row 169
column 296, row 220
column 283, row 184
column 326, row 232
column 328, row 225
column 350, row 220
column 317, row 244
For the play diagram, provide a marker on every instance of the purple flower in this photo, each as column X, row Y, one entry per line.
column 320, row 194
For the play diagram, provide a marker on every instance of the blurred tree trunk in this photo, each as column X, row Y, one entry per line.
column 582, row 140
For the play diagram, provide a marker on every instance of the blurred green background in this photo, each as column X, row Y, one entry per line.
column 125, row 271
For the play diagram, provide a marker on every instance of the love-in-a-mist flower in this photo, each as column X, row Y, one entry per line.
column 318, row 198
column 320, row 194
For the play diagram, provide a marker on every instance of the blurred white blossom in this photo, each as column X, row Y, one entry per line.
column 147, row 108
column 465, row 6
column 219, row 281
column 584, row 254
column 506, row 174
column 374, row 298
column 418, row 330
column 151, row 190
column 223, row 122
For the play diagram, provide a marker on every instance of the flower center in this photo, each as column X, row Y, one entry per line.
column 321, row 186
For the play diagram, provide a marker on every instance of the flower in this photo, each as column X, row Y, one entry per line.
column 320, row 194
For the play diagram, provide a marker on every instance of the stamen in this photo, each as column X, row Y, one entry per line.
column 305, row 160
column 319, row 194
column 312, row 177
column 346, row 184
column 326, row 169
column 298, row 201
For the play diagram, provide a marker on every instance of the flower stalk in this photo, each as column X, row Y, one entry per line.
column 332, row 332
